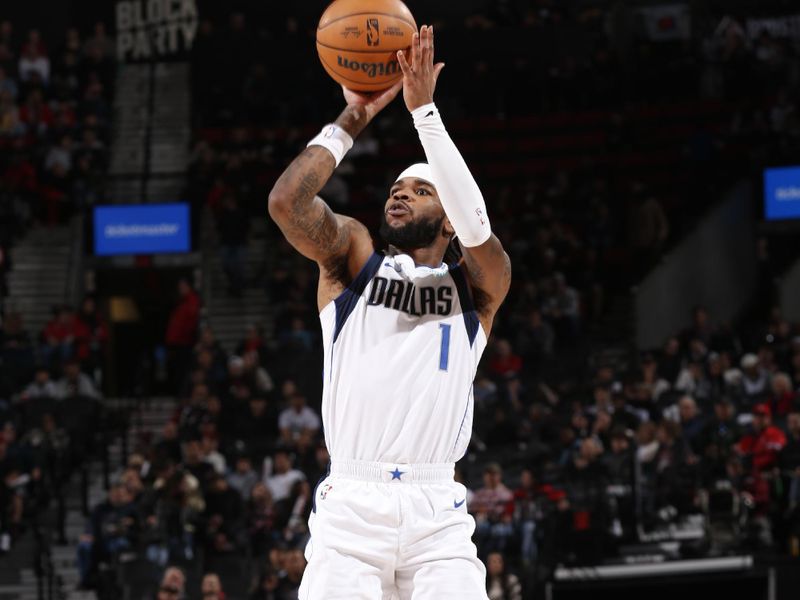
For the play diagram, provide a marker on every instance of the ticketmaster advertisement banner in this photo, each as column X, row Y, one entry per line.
column 782, row 193
column 141, row 229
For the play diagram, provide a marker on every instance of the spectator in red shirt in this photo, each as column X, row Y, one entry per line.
column 763, row 444
column 182, row 332
column 760, row 448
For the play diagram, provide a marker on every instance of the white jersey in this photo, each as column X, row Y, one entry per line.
column 401, row 353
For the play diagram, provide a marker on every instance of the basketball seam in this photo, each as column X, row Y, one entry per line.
column 359, row 51
column 413, row 25
column 347, row 78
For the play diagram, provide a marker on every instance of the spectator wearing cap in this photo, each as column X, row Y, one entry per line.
column 755, row 379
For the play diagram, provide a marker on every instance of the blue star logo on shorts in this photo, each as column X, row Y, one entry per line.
column 396, row 474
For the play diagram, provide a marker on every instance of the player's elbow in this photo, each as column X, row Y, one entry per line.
column 277, row 205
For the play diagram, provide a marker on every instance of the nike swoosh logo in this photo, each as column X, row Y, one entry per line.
column 426, row 116
column 458, row 504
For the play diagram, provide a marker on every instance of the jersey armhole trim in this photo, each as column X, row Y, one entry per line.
column 346, row 301
column 471, row 321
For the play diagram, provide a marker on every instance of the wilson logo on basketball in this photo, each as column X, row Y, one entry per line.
column 370, row 69
column 373, row 32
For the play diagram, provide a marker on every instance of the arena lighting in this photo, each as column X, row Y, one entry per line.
column 673, row 567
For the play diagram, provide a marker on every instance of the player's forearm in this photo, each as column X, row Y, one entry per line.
column 458, row 191
column 297, row 187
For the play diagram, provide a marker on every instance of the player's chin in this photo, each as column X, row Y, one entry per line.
column 398, row 220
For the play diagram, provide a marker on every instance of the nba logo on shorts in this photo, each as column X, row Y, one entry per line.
column 373, row 32
column 325, row 489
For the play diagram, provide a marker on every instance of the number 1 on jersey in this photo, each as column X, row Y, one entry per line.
column 444, row 351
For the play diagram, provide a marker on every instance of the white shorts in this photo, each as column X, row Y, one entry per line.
column 388, row 531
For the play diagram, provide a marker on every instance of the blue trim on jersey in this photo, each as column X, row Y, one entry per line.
column 461, row 426
column 346, row 301
column 467, row 308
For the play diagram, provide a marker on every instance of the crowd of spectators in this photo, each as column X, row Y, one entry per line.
column 51, row 410
column 55, row 118
column 707, row 424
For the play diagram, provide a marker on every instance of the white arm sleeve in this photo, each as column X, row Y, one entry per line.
column 459, row 193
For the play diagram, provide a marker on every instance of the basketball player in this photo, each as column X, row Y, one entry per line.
column 403, row 333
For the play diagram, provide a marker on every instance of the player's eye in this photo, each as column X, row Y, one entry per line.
column 422, row 192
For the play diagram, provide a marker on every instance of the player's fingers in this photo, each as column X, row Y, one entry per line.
column 401, row 60
column 437, row 69
column 425, row 43
column 415, row 50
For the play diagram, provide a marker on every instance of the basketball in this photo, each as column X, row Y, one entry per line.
column 358, row 40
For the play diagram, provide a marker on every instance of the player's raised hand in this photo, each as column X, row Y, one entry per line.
column 419, row 73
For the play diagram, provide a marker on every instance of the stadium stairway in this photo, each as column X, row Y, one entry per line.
column 150, row 147
column 229, row 316
column 41, row 274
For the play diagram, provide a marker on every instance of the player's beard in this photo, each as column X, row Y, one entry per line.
column 412, row 235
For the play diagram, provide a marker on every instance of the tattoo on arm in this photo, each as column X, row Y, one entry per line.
column 308, row 223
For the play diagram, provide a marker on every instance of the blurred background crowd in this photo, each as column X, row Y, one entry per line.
column 599, row 146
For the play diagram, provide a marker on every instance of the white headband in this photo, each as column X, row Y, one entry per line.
column 418, row 171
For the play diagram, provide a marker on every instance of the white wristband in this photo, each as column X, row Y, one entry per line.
column 335, row 139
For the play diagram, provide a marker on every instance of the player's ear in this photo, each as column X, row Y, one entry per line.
column 447, row 228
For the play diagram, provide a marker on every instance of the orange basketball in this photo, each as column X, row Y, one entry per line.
column 358, row 40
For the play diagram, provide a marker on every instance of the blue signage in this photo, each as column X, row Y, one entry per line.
column 782, row 193
column 141, row 229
